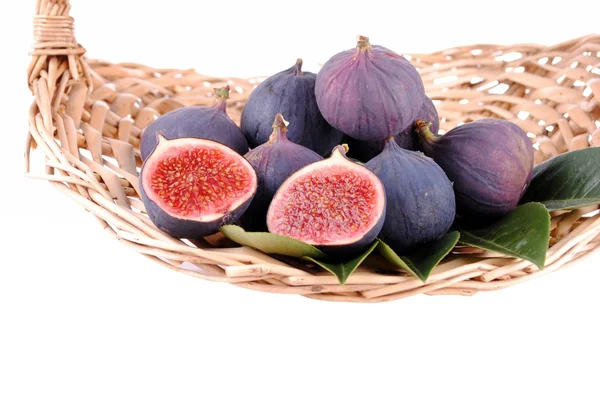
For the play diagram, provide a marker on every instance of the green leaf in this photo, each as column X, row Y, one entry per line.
column 271, row 243
column 523, row 233
column 421, row 261
column 343, row 270
column 568, row 181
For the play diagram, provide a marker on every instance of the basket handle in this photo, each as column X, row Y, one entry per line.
column 54, row 36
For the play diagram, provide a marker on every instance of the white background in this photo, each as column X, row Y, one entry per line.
column 82, row 318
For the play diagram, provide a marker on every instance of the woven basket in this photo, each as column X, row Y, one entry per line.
column 87, row 118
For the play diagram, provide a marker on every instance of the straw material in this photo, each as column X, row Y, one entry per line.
column 88, row 115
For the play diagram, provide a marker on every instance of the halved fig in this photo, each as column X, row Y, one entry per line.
column 192, row 186
column 335, row 204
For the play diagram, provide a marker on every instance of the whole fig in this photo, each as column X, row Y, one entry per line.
column 420, row 200
column 334, row 204
column 369, row 93
column 196, row 122
column 407, row 139
column 292, row 93
column 191, row 186
column 490, row 162
column 273, row 162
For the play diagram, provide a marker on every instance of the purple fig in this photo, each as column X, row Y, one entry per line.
column 196, row 122
column 273, row 162
column 490, row 162
column 420, row 200
column 407, row 139
column 292, row 93
column 369, row 93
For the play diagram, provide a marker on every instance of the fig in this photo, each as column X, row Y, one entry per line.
column 334, row 204
column 192, row 186
column 292, row 93
column 370, row 92
column 407, row 139
column 420, row 199
column 196, row 122
column 273, row 162
column 490, row 162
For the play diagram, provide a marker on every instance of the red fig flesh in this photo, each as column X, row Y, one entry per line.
column 335, row 204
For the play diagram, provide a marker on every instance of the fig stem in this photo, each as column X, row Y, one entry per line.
column 340, row 150
column 422, row 128
column 279, row 128
column 221, row 96
column 298, row 67
column 222, row 93
column 362, row 43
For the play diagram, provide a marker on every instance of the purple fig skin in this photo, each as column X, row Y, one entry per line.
column 420, row 200
column 182, row 228
column 179, row 226
column 273, row 162
column 407, row 139
column 370, row 92
column 490, row 162
column 196, row 122
column 292, row 93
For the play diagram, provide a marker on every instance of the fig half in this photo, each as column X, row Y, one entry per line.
column 191, row 186
column 334, row 204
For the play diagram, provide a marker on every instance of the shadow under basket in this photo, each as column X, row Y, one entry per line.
column 87, row 117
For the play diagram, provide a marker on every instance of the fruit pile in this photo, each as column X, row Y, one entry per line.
column 386, row 173
column 194, row 179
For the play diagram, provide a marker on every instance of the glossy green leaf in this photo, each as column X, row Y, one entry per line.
column 568, row 181
column 271, row 243
column 421, row 261
column 523, row 233
column 343, row 270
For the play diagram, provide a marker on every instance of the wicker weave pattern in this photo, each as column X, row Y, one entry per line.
column 87, row 118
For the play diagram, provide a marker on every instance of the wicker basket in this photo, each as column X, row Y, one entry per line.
column 87, row 117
